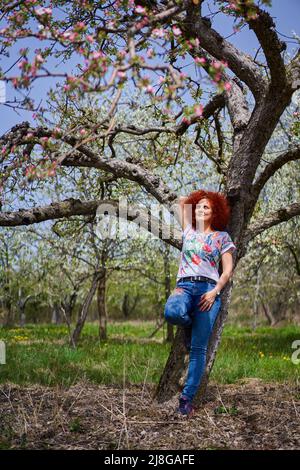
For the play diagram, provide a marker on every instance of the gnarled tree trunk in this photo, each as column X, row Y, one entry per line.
column 84, row 311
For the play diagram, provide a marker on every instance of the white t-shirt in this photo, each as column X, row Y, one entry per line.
column 201, row 253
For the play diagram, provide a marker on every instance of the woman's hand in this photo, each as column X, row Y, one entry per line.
column 207, row 299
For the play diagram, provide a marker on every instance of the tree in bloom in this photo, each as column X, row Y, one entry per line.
column 126, row 49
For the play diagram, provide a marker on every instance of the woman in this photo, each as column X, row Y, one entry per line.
column 196, row 301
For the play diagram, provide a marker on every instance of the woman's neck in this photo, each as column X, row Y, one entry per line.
column 204, row 227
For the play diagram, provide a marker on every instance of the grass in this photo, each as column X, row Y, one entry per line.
column 39, row 354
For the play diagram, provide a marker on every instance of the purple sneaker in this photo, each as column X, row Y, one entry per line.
column 185, row 407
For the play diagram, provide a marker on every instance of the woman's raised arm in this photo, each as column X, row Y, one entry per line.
column 181, row 211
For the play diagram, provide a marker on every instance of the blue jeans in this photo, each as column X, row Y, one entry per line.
column 182, row 308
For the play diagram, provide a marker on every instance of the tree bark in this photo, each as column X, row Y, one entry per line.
column 170, row 328
column 101, row 306
column 174, row 372
column 56, row 314
column 169, row 382
column 268, row 313
column 84, row 311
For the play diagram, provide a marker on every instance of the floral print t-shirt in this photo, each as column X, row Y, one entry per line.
column 201, row 252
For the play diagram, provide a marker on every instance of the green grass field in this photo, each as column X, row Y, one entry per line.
column 39, row 354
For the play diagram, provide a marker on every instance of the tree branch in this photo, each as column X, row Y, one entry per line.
column 240, row 63
column 234, row 98
column 264, row 29
column 296, row 258
column 274, row 218
column 119, row 168
column 293, row 72
column 217, row 102
column 271, row 168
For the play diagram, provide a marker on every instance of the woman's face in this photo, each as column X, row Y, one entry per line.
column 203, row 211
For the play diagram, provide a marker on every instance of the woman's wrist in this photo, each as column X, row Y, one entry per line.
column 217, row 290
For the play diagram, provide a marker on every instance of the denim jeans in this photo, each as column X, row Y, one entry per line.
column 182, row 308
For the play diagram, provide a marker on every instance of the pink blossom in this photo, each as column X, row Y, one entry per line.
column 43, row 11
column 159, row 32
column 140, row 10
column 198, row 109
column 216, row 64
column 22, row 63
column 185, row 120
column 97, row 54
column 80, row 25
column 71, row 79
column 66, row 34
column 73, row 36
column 121, row 74
column 39, row 58
column 233, row 6
column 149, row 89
column 176, row 31
column 150, row 53
column 142, row 23
column 227, row 86
column 57, row 131
column 217, row 77
column 200, row 60
column 196, row 42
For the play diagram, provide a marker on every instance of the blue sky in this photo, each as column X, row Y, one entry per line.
column 286, row 14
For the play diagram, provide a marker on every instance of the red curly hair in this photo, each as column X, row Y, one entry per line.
column 220, row 207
